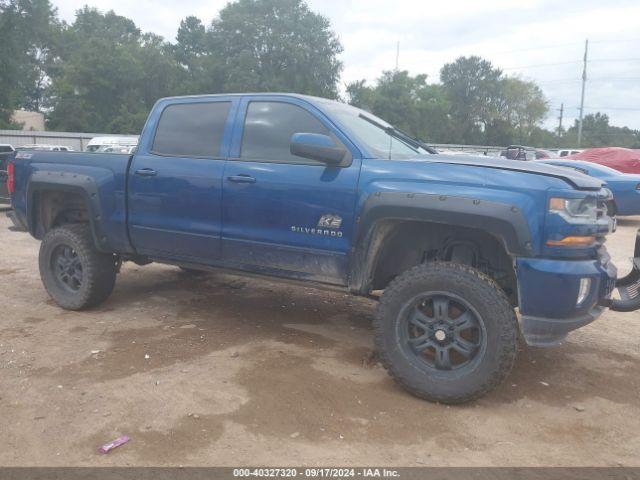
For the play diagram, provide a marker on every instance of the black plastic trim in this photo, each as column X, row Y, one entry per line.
column 70, row 182
column 505, row 222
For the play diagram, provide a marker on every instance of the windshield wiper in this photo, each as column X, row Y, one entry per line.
column 400, row 135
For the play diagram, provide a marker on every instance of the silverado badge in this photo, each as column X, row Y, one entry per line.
column 328, row 226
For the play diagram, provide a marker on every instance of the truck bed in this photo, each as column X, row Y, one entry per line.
column 106, row 173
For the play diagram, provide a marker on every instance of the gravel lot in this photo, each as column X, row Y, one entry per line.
column 224, row 370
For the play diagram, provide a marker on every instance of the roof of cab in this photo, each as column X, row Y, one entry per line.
column 309, row 98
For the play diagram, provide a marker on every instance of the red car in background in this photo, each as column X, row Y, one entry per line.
column 624, row 160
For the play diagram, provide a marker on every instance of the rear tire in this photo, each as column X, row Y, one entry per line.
column 74, row 273
column 446, row 332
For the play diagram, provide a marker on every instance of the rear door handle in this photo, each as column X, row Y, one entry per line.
column 146, row 172
column 241, row 179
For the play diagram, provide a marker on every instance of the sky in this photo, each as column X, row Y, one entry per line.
column 538, row 40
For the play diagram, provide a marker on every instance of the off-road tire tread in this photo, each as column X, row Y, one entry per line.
column 494, row 298
column 99, row 269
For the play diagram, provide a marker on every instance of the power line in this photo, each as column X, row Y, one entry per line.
column 545, row 47
column 562, row 45
column 620, row 40
column 631, row 109
column 615, row 60
column 540, row 65
column 595, row 109
column 524, row 67
column 576, row 80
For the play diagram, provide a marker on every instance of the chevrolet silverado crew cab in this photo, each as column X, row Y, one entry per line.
column 316, row 190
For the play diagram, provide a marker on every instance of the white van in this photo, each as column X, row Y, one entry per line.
column 100, row 144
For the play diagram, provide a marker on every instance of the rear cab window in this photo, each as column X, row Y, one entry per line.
column 191, row 129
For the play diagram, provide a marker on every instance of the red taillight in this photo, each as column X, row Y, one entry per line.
column 11, row 179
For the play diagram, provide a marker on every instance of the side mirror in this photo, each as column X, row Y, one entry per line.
column 317, row 147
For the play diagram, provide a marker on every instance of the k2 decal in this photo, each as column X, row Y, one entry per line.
column 330, row 221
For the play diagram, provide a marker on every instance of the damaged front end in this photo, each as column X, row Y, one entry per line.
column 627, row 288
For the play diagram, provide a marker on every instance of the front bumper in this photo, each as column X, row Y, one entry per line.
column 548, row 292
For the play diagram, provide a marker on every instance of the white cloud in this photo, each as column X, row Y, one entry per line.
column 510, row 34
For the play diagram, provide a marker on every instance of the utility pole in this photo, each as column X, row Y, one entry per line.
column 584, row 82
column 397, row 55
column 560, row 119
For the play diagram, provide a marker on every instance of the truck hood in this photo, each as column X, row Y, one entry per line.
column 578, row 180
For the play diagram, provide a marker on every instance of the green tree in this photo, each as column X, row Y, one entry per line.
column 28, row 29
column 521, row 107
column 473, row 87
column 407, row 102
column 108, row 74
column 597, row 132
column 199, row 62
column 276, row 45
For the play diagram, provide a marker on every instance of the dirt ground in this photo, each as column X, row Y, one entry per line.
column 224, row 370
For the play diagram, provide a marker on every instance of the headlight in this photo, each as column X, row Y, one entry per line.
column 573, row 209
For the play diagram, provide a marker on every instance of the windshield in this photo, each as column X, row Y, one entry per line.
column 378, row 140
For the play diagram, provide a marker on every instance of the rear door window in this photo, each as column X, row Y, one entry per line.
column 191, row 129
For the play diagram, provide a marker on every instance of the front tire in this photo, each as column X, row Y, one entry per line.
column 74, row 273
column 446, row 332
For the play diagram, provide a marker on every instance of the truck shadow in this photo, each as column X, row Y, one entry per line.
column 188, row 318
column 293, row 362
column 571, row 374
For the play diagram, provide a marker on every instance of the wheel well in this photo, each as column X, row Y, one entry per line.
column 53, row 208
column 400, row 245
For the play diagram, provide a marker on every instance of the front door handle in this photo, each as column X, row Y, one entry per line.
column 146, row 172
column 242, row 178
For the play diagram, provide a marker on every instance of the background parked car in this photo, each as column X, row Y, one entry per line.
column 519, row 152
column 117, row 149
column 624, row 186
column 624, row 160
column 43, row 147
column 568, row 151
column 103, row 144
column 6, row 153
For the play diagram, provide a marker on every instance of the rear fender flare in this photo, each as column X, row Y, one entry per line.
column 83, row 185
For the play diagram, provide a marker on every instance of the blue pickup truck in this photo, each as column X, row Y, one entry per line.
column 318, row 191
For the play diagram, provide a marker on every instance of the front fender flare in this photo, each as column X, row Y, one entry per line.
column 503, row 221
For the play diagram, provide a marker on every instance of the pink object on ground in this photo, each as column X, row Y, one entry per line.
column 107, row 447
column 624, row 160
